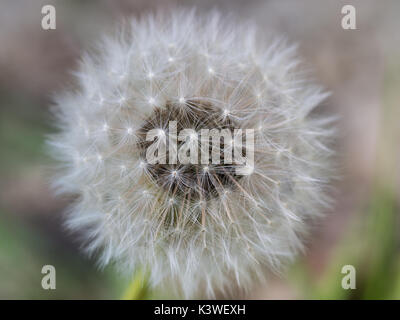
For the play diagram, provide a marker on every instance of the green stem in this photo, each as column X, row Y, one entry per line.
column 137, row 289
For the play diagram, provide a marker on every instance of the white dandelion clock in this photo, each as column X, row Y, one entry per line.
column 202, row 218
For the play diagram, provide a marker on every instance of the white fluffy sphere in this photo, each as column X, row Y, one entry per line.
column 197, row 228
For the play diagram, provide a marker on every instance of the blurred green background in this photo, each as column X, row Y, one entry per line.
column 360, row 67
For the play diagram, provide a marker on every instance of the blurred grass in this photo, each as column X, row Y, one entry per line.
column 22, row 130
column 371, row 245
column 382, row 249
column 28, row 241
column 371, row 242
column 23, row 253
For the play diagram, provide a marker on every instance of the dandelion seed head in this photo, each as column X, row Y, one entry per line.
column 198, row 229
